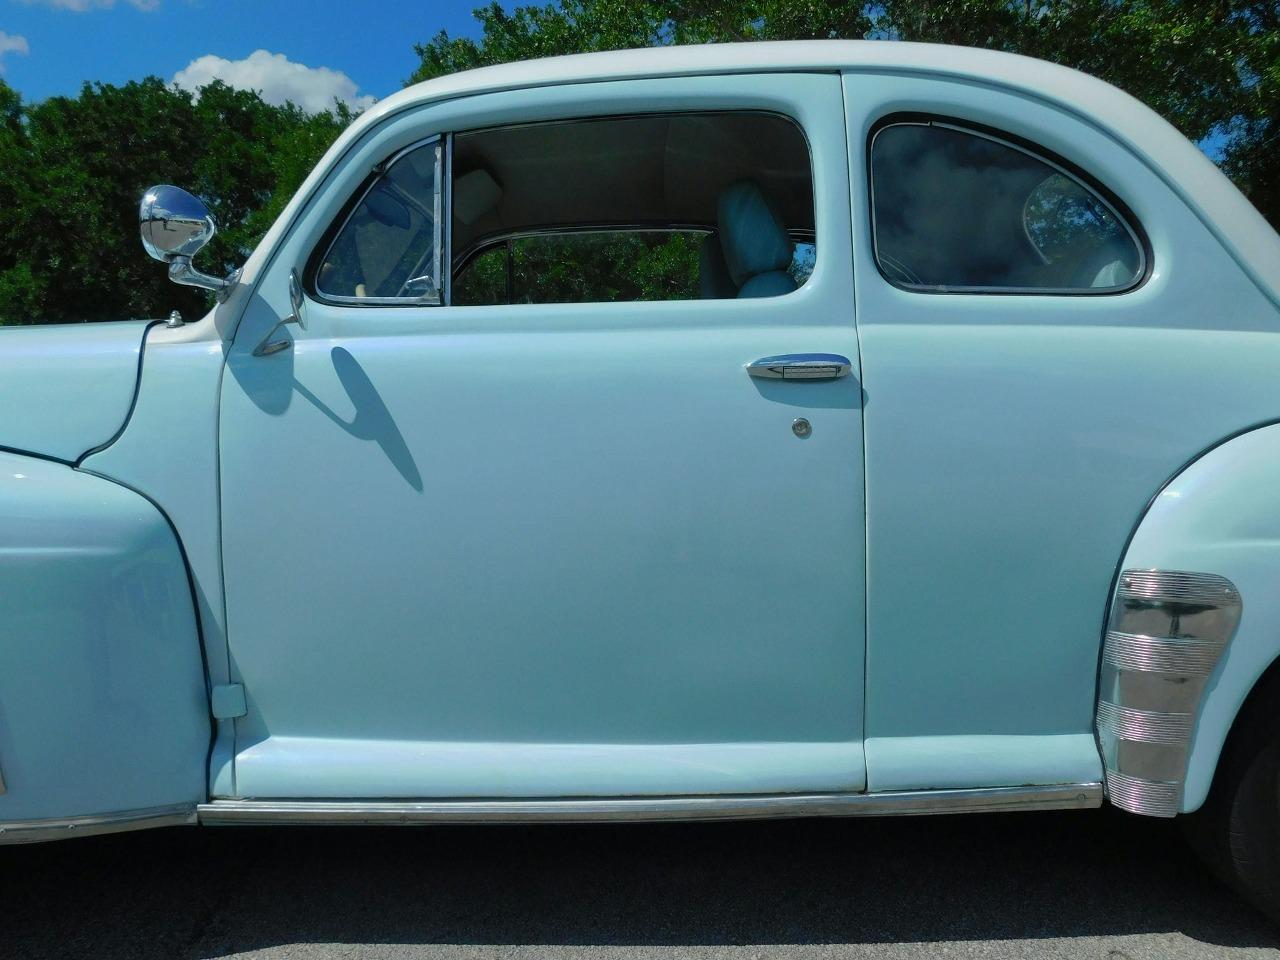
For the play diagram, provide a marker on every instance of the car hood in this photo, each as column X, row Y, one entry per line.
column 67, row 389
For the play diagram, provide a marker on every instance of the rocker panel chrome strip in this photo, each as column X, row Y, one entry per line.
column 35, row 831
column 640, row 809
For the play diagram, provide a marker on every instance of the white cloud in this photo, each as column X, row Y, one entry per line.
column 278, row 79
column 12, row 43
column 84, row 6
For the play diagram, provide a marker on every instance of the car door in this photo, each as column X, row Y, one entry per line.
column 545, row 549
column 1027, row 395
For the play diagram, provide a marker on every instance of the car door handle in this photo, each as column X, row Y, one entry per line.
column 800, row 366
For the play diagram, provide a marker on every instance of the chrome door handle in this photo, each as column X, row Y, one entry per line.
column 800, row 366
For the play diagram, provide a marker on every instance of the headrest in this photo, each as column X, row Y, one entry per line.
column 753, row 239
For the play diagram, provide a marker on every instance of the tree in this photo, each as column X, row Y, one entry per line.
column 1212, row 67
column 72, row 171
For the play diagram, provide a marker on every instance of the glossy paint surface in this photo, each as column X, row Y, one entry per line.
column 539, row 550
column 65, row 389
column 1012, row 444
column 169, row 450
column 1222, row 514
column 102, row 702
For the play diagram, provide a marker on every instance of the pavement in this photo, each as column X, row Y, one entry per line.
column 1093, row 884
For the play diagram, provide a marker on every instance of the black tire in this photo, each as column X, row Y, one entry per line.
column 1237, row 831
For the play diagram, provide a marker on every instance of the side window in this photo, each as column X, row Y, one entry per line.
column 606, row 267
column 802, row 262
column 483, row 281
column 592, row 266
column 388, row 250
column 656, row 207
column 956, row 210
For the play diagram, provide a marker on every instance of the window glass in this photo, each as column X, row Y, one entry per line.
column 483, row 281
column 802, row 261
column 605, row 267
column 616, row 209
column 387, row 249
column 960, row 211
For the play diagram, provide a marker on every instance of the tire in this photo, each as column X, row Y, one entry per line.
column 1237, row 831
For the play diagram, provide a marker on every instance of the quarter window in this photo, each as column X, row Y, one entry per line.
column 388, row 250
column 960, row 211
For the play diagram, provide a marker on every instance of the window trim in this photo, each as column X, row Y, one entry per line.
column 444, row 152
column 1120, row 210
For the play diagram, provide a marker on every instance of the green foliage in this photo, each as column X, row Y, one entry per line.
column 605, row 267
column 579, row 26
column 590, row 267
column 1212, row 67
column 72, row 171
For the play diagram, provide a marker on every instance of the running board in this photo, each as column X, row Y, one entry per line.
column 1074, row 796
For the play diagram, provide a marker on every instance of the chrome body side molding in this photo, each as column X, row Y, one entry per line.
column 640, row 809
column 35, row 831
column 1167, row 632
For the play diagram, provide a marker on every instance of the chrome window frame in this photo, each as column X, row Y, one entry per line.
column 443, row 153
column 1059, row 165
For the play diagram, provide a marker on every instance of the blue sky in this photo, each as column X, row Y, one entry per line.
column 52, row 46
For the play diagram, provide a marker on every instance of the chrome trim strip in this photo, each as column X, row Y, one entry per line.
column 641, row 809
column 1144, row 726
column 1154, row 798
column 34, row 831
column 1178, row 587
column 1176, row 655
column 1167, row 633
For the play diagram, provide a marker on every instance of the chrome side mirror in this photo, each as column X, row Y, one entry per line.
column 175, row 225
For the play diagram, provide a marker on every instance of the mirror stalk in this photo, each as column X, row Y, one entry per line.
column 182, row 271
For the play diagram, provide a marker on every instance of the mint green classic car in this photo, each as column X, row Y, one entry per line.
column 808, row 429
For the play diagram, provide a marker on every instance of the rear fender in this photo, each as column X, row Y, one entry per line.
column 1208, row 550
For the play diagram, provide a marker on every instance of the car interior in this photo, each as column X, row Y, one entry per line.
column 724, row 197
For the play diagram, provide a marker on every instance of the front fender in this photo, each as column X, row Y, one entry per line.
column 1219, row 518
column 103, row 708
column 68, row 388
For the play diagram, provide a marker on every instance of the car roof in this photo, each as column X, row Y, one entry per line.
column 1207, row 191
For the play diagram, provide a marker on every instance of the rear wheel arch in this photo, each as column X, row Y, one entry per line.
column 1214, row 526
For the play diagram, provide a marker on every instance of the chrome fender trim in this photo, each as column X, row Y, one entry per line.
column 1167, row 632
column 1071, row 796
column 35, row 831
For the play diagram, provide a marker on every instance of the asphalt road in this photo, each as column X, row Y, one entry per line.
column 1094, row 884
